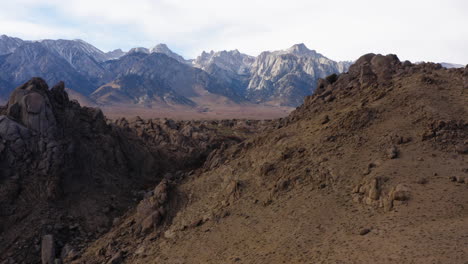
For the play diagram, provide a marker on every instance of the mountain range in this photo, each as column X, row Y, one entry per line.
column 159, row 77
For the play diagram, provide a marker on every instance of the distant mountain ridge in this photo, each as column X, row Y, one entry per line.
column 144, row 76
column 287, row 76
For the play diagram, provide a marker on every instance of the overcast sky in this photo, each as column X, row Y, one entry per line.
column 417, row 30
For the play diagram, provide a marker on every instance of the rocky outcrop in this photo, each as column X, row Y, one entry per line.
column 51, row 150
column 30, row 105
column 192, row 142
column 151, row 210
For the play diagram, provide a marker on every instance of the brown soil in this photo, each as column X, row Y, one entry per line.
column 209, row 112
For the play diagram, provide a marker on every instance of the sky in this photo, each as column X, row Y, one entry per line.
column 416, row 30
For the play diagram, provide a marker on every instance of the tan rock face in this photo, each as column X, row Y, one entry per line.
column 31, row 107
column 150, row 211
column 34, row 103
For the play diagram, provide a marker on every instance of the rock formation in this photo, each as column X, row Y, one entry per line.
column 51, row 151
column 69, row 173
column 371, row 168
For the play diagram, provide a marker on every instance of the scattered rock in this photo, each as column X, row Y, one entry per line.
column 462, row 148
column 392, row 152
column 150, row 222
column 401, row 193
column 421, row 181
column 403, row 140
column 117, row 258
column 364, row 231
column 325, row 120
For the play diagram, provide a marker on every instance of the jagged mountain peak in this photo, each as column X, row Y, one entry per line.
column 164, row 49
column 282, row 77
column 115, row 54
column 161, row 47
column 69, row 48
column 229, row 60
column 9, row 44
column 139, row 50
column 299, row 48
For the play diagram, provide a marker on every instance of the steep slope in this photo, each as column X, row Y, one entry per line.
column 157, row 78
column 5, row 87
column 230, row 67
column 82, row 56
column 9, row 44
column 285, row 77
column 34, row 59
column 68, row 49
column 370, row 169
column 115, row 54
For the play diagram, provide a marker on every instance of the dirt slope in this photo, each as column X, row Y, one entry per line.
column 373, row 168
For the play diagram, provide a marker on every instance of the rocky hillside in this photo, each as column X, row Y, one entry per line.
column 67, row 173
column 371, row 168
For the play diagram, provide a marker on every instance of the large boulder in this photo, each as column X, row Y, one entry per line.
column 30, row 105
column 372, row 68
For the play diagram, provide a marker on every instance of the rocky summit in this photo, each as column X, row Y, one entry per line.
column 370, row 168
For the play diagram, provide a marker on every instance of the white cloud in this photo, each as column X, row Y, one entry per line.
column 416, row 30
column 30, row 30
